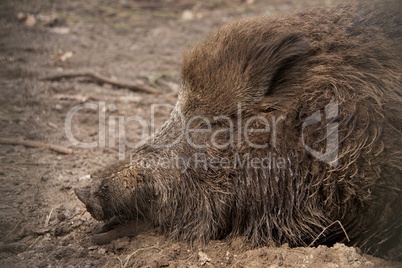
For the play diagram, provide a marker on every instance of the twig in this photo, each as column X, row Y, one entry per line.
column 326, row 228
column 39, row 178
column 33, row 163
column 17, row 224
column 48, row 218
column 36, row 144
column 132, row 254
column 77, row 97
column 34, row 242
column 82, row 213
column 104, row 80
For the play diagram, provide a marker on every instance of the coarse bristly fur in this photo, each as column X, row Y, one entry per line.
column 286, row 67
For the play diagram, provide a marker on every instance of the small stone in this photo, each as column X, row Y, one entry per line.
column 85, row 178
column 203, row 258
column 369, row 264
column 101, row 251
column 30, row 21
column 121, row 243
column 163, row 262
column 61, row 230
column 61, row 216
column 187, row 15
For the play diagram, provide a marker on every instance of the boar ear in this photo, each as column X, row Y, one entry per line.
column 269, row 65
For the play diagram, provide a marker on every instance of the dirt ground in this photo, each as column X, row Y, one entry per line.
column 42, row 223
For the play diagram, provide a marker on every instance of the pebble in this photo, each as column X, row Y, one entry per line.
column 101, row 251
column 61, row 216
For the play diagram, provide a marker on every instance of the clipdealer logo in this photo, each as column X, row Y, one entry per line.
column 239, row 131
column 330, row 156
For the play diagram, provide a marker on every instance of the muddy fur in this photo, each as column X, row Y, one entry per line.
column 290, row 66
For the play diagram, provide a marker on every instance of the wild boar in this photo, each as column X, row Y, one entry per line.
column 286, row 130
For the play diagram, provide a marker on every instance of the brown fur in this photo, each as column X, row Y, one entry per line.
column 293, row 66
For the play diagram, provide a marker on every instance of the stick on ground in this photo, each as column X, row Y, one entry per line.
column 138, row 87
column 36, row 144
column 132, row 254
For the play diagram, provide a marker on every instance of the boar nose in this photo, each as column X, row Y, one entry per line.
column 92, row 204
column 83, row 194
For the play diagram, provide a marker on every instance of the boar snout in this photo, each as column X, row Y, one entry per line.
column 92, row 204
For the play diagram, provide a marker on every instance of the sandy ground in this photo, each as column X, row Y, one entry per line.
column 42, row 223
